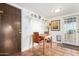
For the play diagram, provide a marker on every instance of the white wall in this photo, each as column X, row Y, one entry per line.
column 26, row 34
column 54, row 33
column 37, row 26
column 29, row 25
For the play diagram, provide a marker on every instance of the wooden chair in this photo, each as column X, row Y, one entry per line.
column 47, row 40
column 36, row 39
column 47, row 37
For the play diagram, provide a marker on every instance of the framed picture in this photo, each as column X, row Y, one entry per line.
column 55, row 25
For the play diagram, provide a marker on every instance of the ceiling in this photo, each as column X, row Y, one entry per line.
column 44, row 9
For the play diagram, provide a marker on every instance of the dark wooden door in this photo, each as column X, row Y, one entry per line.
column 10, row 23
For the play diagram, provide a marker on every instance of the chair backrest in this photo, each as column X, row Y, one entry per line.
column 35, row 37
column 46, row 33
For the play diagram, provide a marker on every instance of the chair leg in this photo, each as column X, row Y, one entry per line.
column 51, row 44
column 43, row 47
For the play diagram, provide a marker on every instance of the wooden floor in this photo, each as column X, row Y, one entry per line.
column 55, row 50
